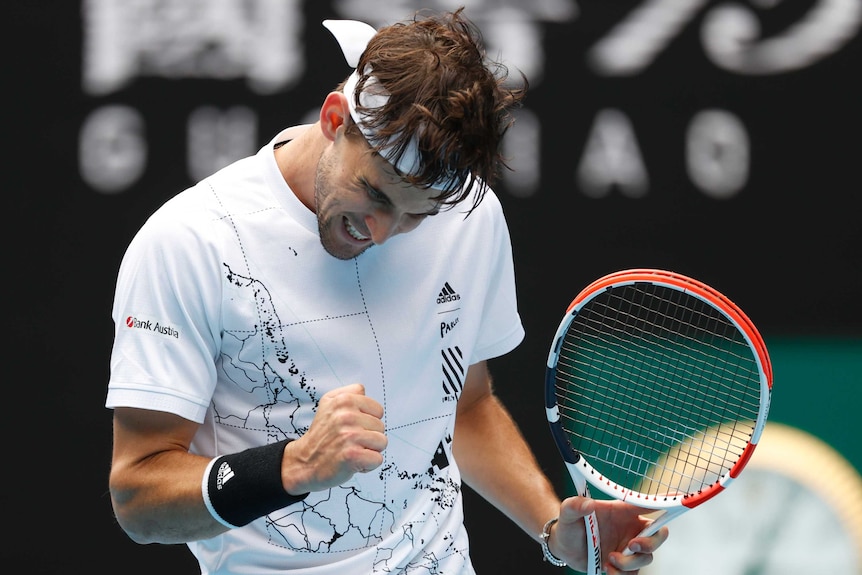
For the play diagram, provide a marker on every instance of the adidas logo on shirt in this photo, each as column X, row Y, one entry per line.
column 447, row 294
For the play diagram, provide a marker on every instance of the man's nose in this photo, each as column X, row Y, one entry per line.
column 382, row 225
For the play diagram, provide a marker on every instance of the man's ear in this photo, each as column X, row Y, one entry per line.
column 333, row 113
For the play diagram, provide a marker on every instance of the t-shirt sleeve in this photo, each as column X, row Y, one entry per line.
column 501, row 329
column 166, row 315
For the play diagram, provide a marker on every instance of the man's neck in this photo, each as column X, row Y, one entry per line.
column 297, row 160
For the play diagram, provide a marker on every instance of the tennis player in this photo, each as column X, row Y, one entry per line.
column 298, row 378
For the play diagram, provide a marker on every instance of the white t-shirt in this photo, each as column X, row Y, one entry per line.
column 229, row 312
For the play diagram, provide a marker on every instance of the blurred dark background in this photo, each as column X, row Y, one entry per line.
column 722, row 140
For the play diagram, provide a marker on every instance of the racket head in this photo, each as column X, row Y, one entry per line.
column 657, row 388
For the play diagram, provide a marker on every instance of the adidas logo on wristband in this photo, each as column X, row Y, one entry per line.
column 225, row 473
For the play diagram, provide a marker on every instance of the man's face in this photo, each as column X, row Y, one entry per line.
column 360, row 201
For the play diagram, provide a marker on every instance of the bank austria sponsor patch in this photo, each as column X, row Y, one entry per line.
column 151, row 325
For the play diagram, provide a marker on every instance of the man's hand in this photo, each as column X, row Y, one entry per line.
column 345, row 437
column 619, row 524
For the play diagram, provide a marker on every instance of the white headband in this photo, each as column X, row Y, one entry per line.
column 353, row 37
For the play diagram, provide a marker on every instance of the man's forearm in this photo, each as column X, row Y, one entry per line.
column 497, row 463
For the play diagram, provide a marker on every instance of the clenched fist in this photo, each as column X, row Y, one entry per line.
column 345, row 437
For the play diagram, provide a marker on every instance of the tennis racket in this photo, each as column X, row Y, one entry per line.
column 657, row 390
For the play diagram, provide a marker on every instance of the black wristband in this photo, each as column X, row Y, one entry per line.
column 240, row 487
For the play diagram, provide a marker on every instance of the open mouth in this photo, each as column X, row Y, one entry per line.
column 354, row 233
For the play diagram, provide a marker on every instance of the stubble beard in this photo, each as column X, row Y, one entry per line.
column 327, row 225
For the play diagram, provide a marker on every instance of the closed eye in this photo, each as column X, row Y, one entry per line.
column 379, row 197
column 375, row 194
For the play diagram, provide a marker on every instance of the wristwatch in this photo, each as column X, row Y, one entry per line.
column 795, row 508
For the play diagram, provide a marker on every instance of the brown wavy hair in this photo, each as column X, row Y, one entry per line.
column 444, row 91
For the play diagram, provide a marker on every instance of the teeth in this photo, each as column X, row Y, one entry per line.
column 354, row 233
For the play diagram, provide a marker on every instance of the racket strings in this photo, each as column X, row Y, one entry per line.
column 657, row 388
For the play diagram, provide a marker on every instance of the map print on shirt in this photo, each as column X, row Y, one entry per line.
column 281, row 401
